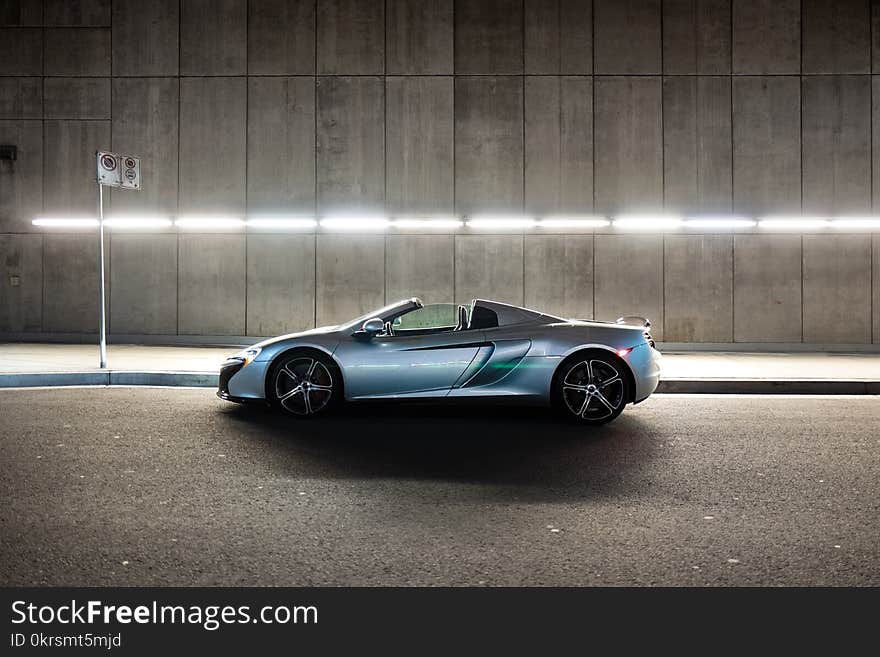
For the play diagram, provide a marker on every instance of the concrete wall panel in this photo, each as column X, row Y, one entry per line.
column 875, row 142
column 280, row 283
column 77, row 13
column 21, row 98
column 213, row 37
column 837, row 145
column 836, row 36
column 696, row 37
column 697, row 147
column 351, row 144
column 351, row 37
column 837, row 289
column 767, row 288
column 145, row 123
column 627, row 34
column 420, row 266
column 77, row 51
column 559, row 37
column 419, row 132
column 419, row 37
column 21, row 51
column 350, row 274
column 281, row 144
column 698, row 288
column 629, row 144
column 70, row 283
column 77, row 98
column 21, row 181
column 559, row 274
column 489, row 267
column 21, row 282
column 766, row 145
column 875, row 278
column 281, row 37
column 212, row 144
column 488, row 36
column 211, row 288
column 488, row 144
column 69, row 166
column 145, row 37
column 766, row 37
column 629, row 278
column 21, row 13
column 558, row 144
column 143, row 280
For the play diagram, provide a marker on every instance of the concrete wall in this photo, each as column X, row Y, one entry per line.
column 408, row 107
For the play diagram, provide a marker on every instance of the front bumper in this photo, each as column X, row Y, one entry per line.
column 229, row 369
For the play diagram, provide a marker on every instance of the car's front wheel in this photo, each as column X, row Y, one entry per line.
column 591, row 388
column 304, row 384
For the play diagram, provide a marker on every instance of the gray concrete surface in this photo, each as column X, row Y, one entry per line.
column 162, row 487
column 475, row 106
column 697, row 144
column 629, row 275
column 350, row 144
column 836, row 142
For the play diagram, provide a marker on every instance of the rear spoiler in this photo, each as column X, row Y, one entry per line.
column 634, row 320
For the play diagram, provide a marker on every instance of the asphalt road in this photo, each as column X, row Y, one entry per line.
column 144, row 486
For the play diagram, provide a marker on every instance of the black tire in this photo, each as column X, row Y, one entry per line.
column 304, row 383
column 591, row 387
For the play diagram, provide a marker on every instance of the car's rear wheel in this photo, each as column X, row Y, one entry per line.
column 304, row 384
column 591, row 388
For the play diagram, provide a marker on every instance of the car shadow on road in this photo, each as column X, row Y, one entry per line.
column 520, row 446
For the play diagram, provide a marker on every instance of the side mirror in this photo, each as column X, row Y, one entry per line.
column 372, row 326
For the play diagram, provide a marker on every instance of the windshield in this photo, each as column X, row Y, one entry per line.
column 386, row 312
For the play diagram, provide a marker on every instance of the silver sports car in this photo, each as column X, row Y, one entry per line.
column 589, row 370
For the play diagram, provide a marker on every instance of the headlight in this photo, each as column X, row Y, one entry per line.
column 247, row 356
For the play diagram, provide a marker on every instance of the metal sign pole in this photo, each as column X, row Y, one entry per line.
column 103, row 325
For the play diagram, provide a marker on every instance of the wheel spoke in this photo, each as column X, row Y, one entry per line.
column 312, row 366
column 605, row 384
column 308, row 403
column 605, row 402
column 569, row 386
column 584, row 407
column 290, row 394
column 317, row 387
column 289, row 372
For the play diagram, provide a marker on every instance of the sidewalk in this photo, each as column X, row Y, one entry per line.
column 28, row 364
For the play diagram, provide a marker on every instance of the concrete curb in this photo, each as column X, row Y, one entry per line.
column 769, row 387
column 674, row 386
column 109, row 378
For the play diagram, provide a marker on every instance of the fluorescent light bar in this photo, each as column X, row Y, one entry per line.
column 427, row 223
column 208, row 223
column 574, row 222
column 355, row 223
column 647, row 223
column 137, row 222
column 793, row 223
column 856, row 222
column 281, row 223
column 72, row 222
column 499, row 223
column 720, row 222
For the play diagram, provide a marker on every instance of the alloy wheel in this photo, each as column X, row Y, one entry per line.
column 593, row 390
column 303, row 386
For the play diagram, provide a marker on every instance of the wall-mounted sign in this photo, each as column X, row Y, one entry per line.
column 115, row 170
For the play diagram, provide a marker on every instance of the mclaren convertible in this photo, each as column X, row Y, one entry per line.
column 588, row 370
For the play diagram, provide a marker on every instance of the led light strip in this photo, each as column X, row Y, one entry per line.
column 353, row 223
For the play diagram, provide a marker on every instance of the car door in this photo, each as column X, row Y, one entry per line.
column 406, row 365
